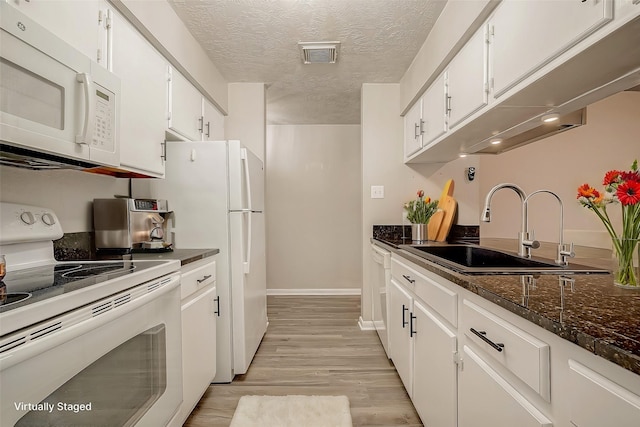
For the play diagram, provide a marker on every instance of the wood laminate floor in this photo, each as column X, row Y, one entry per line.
column 313, row 346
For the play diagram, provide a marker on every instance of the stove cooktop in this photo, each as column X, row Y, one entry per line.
column 67, row 285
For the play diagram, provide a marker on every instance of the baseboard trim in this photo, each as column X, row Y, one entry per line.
column 366, row 325
column 316, row 292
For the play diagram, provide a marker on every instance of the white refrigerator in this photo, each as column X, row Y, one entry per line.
column 216, row 191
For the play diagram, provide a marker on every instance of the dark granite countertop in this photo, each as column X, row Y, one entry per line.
column 586, row 309
column 185, row 256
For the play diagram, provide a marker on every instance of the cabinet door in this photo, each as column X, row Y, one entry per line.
column 143, row 75
column 79, row 23
column 598, row 401
column 435, row 372
column 434, row 111
column 400, row 342
column 528, row 34
column 185, row 107
column 486, row 399
column 198, row 347
column 467, row 79
column 213, row 122
column 413, row 129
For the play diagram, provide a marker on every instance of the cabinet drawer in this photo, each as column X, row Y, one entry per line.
column 520, row 352
column 197, row 277
column 439, row 298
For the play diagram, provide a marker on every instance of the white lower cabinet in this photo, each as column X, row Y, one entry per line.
column 400, row 343
column 598, row 401
column 199, row 313
column 466, row 362
column 423, row 343
column 488, row 399
column 435, row 368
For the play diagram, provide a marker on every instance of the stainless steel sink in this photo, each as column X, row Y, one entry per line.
column 471, row 259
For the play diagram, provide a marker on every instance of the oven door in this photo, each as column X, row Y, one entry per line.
column 116, row 362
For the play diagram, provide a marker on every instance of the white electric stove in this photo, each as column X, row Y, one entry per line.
column 65, row 326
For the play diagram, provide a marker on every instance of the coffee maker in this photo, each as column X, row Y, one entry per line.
column 131, row 225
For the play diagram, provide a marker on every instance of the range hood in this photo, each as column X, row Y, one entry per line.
column 33, row 160
column 530, row 132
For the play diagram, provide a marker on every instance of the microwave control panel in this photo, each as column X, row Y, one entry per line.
column 104, row 132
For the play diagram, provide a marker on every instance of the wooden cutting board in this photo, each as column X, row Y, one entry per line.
column 434, row 225
column 449, row 207
column 436, row 220
column 446, row 191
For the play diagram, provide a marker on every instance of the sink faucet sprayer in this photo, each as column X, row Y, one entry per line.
column 562, row 253
column 524, row 242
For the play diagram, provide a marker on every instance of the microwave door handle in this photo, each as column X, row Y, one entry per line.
column 89, row 108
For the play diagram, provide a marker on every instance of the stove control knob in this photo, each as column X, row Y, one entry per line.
column 28, row 218
column 48, row 219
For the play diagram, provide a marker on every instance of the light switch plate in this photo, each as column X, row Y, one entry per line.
column 377, row 191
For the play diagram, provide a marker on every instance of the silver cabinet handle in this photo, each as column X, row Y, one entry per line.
column 483, row 336
column 204, row 278
column 404, row 322
column 208, row 129
column 411, row 331
column 217, row 300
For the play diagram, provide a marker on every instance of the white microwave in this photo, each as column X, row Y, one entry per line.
column 54, row 100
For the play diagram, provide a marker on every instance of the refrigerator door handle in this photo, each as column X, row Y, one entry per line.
column 247, row 178
column 247, row 263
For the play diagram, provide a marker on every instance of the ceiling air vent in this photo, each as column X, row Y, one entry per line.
column 319, row 52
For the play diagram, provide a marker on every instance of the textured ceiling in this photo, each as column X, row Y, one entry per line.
column 257, row 41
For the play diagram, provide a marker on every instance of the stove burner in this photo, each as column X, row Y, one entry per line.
column 82, row 272
column 12, row 298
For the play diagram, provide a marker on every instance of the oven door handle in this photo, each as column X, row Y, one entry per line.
column 64, row 333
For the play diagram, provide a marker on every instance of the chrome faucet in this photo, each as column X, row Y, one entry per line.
column 524, row 242
column 563, row 252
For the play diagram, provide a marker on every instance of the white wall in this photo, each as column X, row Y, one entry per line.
column 68, row 193
column 382, row 164
column 561, row 163
column 247, row 116
column 313, row 207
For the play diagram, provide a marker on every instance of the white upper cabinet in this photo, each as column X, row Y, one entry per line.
column 213, row 122
column 434, row 111
column 467, row 79
column 185, row 107
column 143, row 74
column 82, row 24
column 426, row 120
column 191, row 115
column 528, row 34
column 413, row 129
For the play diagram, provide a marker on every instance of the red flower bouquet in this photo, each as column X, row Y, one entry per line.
column 621, row 187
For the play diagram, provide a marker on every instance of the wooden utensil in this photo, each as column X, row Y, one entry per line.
column 449, row 207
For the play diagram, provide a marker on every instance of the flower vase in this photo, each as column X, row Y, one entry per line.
column 419, row 233
column 626, row 272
